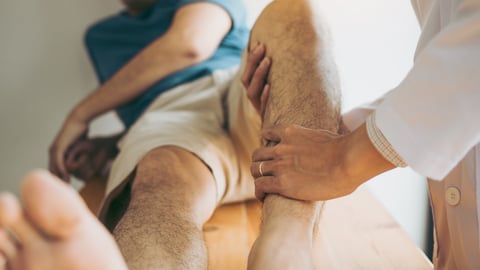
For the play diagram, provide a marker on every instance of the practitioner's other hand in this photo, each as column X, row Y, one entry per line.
column 304, row 164
column 254, row 78
column 89, row 157
column 74, row 128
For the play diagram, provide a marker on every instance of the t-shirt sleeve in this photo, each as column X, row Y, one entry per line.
column 235, row 8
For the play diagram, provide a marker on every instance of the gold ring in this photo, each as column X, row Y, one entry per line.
column 260, row 166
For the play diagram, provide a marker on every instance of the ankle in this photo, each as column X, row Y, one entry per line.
column 282, row 212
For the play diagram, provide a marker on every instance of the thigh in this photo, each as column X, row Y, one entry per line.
column 190, row 118
column 303, row 77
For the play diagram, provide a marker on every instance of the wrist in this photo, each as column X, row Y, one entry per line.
column 362, row 160
column 80, row 114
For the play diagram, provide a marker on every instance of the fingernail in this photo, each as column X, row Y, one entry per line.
column 265, row 61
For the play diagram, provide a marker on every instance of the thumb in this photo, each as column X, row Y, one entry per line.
column 273, row 134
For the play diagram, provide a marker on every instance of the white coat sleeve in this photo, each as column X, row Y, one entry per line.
column 358, row 115
column 432, row 119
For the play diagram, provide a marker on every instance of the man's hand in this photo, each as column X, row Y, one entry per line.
column 89, row 157
column 74, row 129
column 254, row 78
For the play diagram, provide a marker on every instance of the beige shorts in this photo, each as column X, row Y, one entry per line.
column 210, row 117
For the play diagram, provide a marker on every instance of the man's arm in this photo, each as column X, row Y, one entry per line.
column 196, row 32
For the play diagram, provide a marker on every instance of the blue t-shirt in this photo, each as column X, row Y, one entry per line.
column 112, row 42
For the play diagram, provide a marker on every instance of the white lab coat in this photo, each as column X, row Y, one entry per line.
column 432, row 119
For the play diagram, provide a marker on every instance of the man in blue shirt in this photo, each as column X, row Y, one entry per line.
column 116, row 40
column 189, row 150
column 165, row 67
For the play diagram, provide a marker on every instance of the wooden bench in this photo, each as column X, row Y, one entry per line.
column 355, row 232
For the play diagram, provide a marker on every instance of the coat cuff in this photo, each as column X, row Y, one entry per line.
column 381, row 143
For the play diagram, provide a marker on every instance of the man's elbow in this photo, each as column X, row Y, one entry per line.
column 198, row 51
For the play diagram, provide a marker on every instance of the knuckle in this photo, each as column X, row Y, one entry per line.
column 289, row 130
column 252, row 170
column 278, row 151
column 244, row 81
column 255, row 154
column 261, row 69
column 250, row 63
column 287, row 162
column 251, row 56
column 279, row 183
column 251, row 96
column 264, row 69
column 278, row 166
column 258, row 76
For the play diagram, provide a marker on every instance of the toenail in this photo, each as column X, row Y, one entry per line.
column 3, row 261
column 13, row 237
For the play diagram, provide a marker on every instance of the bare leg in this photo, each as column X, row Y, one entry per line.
column 55, row 230
column 173, row 195
column 304, row 91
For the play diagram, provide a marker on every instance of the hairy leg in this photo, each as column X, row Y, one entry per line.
column 53, row 231
column 303, row 90
column 172, row 196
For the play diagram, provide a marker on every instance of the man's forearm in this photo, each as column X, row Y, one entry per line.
column 183, row 45
column 158, row 60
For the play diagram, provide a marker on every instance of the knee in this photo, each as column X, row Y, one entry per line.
column 285, row 12
column 172, row 172
column 176, row 179
column 159, row 168
column 287, row 27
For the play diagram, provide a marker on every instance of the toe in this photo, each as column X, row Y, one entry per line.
column 10, row 209
column 8, row 247
column 12, row 217
column 3, row 262
column 51, row 205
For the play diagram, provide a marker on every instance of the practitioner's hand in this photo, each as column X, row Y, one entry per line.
column 254, row 78
column 305, row 164
column 89, row 157
column 313, row 165
column 74, row 129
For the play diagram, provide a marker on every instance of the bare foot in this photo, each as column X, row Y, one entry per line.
column 53, row 231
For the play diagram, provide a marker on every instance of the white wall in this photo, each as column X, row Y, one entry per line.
column 44, row 71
